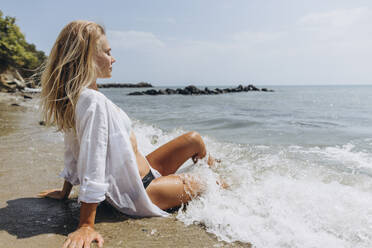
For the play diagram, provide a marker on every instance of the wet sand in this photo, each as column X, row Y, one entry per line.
column 31, row 157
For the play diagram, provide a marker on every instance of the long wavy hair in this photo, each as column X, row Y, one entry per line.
column 70, row 67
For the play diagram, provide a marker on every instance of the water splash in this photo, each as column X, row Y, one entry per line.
column 280, row 196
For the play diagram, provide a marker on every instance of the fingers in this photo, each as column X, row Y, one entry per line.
column 45, row 193
column 67, row 242
column 73, row 244
column 88, row 241
column 80, row 244
column 87, row 244
column 83, row 238
column 100, row 240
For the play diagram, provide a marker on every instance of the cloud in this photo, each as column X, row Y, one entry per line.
column 256, row 37
column 134, row 40
column 322, row 47
column 341, row 18
column 338, row 29
column 157, row 20
column 170, row 20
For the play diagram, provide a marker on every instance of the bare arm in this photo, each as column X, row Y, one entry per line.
column 85, row 234
column 87, row 214
column 66, row 190
column 56, row 193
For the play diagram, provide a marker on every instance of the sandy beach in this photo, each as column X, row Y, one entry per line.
column 31, row 159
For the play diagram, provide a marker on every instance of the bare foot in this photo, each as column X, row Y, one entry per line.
column 222, row 183
column 212, row 161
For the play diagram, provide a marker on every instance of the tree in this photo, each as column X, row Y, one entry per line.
column 14, row 49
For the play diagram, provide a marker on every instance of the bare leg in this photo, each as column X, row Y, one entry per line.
column 173, row 190
column 169, row 157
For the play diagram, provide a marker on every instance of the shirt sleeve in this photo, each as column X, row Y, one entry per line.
column 92, row 133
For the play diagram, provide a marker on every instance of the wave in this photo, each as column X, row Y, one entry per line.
column 280, row 196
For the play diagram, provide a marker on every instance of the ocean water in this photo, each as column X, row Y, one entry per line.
column 298, row 161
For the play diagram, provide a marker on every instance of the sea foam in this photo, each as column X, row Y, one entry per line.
column 280, row 196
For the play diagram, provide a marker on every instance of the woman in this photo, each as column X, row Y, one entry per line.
column 100, row 147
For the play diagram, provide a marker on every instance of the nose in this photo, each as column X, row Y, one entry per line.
column 113, row 60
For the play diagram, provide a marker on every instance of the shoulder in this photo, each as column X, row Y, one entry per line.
column 89, row 95
column 89, row 98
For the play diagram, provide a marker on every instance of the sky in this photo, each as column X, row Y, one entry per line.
column 218, row 42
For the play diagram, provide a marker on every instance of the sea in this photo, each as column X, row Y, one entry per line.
column 298, row 161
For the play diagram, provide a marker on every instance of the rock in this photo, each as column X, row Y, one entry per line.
column 151, row 92
column 183, row 91
column 266, row 90
column 27, row 97
column 170, row 91
column 186, row 92
column 253, row 88
column 126, row 85
column 136, row 93
column 219, row 90
column 15, row 104
column 11, row 81
column 143, row 85
column 42, row 123
column 193, row 89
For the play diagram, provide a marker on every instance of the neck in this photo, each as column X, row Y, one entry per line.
column 93, row 85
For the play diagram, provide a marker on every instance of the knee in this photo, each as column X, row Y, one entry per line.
column 196, row 139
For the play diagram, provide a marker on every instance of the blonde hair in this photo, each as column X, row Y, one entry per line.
column 69, row 68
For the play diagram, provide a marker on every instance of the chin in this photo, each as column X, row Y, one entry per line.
column 106, row 76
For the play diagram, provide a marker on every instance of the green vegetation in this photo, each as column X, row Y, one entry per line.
column 15, row 51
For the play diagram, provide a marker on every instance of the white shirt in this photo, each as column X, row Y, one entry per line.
column 100, row 157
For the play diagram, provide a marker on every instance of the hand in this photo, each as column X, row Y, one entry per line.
column 83, row 237
column 52, row 193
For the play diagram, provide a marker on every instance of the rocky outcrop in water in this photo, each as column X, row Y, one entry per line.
column 119, row 85
column 193, row 90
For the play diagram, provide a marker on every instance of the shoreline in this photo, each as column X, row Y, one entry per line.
column 31, row 160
